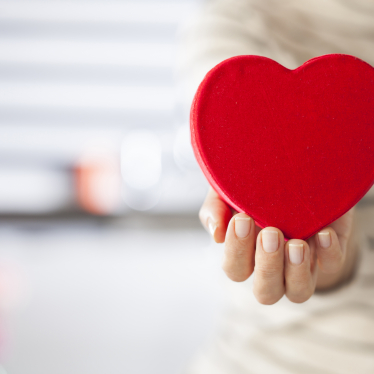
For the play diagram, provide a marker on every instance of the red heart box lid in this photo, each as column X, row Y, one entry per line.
column 293, row 149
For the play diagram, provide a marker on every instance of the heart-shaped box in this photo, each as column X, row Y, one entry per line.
column 293, row 149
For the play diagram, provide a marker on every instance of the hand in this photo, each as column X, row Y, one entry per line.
column 295, row 268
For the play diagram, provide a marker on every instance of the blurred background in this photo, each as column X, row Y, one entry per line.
column 103, row 263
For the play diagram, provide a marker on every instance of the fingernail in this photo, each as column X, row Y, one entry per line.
column 324, row 238
column 242, row 226
column 296, row 253
column 211, row 226
column 270, row 240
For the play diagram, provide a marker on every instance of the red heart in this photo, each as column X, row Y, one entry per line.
column 293, row 149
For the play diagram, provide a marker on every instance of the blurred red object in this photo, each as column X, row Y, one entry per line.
column 98, row 182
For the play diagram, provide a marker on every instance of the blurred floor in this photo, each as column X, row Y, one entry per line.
column 131, row 296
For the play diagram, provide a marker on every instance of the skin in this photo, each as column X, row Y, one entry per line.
column 275, row 276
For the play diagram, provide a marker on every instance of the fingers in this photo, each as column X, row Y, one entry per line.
column 329, row 253
column 300, row 274
column 215, row 216
column 268, row 286
column 337, row 251
column 238, row 260
column 280, row 268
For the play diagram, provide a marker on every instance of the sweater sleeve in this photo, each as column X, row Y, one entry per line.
column 223, row 29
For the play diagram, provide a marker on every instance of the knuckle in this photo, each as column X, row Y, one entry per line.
column 236, row 251
column 268, row 271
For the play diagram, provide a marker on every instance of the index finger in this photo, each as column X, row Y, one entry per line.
column 215, row 215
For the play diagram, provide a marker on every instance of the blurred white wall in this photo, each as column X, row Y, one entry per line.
column 75, row 72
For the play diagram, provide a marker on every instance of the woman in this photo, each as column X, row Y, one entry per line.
column 333, row 332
